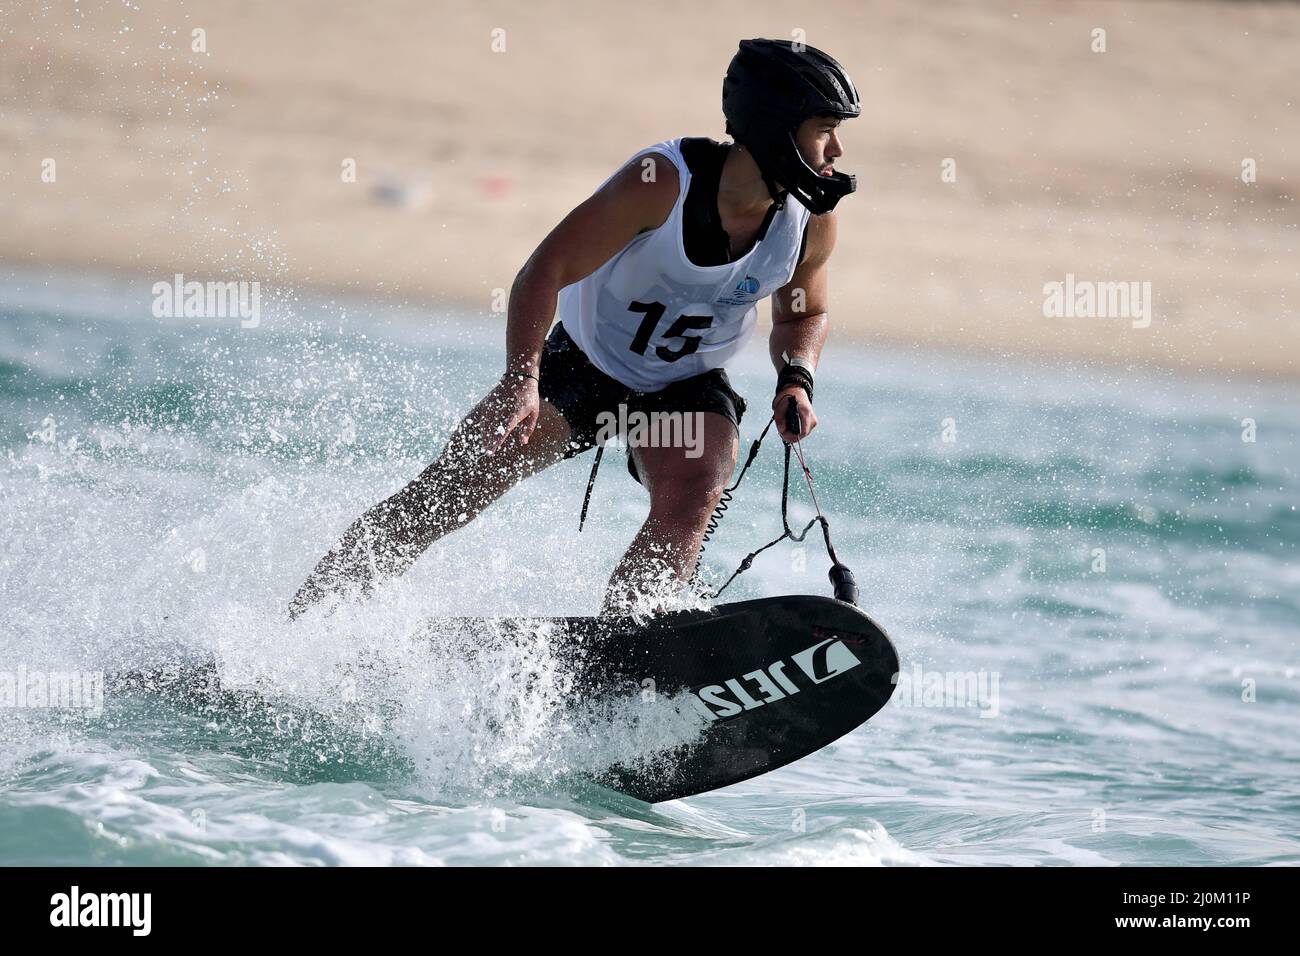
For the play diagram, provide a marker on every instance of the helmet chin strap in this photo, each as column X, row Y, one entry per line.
column 818, row 193
column 777, row 195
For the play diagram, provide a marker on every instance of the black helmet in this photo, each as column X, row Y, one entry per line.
column 770, row 88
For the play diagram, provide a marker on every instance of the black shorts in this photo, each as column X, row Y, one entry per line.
column 581, row 392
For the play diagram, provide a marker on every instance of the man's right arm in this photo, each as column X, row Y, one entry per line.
column 584, row 241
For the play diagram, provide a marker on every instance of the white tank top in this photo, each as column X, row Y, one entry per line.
column 649, row 316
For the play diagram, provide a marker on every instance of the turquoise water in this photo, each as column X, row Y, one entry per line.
column 167, row 484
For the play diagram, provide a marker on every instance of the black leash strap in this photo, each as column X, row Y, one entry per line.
column 846, row 589
column 842, row 581
column 591, row 483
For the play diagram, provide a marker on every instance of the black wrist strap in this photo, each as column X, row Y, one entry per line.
column 795, row 375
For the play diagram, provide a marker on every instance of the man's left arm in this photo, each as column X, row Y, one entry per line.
column 799, row 326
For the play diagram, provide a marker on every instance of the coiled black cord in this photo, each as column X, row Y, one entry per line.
column 841, row 577
column 716, row 518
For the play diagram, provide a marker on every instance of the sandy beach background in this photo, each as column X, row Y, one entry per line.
column 474, row 127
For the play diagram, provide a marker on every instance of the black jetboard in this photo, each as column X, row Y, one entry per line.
column 774, row 680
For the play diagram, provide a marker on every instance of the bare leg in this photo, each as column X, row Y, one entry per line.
column 451, row 492
column 683, row 493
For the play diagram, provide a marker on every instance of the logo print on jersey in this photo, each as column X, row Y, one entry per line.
column 746, row 291
column 826, row 660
